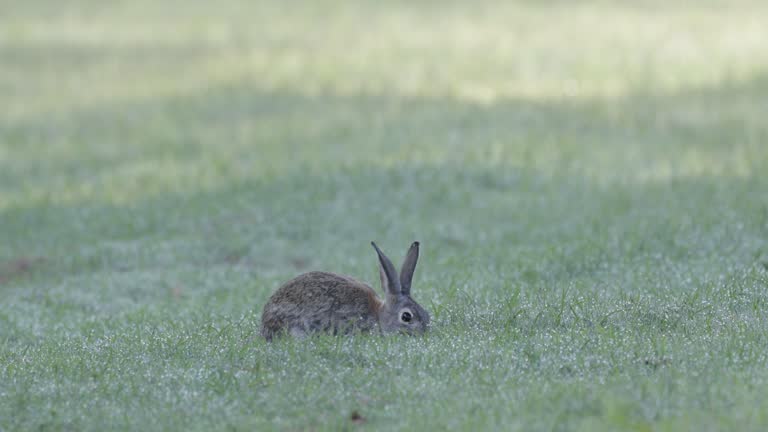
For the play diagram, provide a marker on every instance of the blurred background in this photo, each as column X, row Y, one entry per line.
column 140, row 135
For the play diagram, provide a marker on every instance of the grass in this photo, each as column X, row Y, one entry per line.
column 589, row 182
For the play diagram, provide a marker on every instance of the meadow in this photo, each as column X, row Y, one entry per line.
column 588, row 181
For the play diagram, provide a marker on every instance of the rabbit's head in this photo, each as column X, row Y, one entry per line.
column 400, row 313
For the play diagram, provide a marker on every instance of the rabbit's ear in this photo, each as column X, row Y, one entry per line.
column 389, row 280
column 409, row 265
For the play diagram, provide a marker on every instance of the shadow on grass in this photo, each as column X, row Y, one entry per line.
column 238, row 132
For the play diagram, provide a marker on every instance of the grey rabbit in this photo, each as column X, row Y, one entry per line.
column 329, row 302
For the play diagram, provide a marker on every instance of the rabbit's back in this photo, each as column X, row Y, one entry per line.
column 320, row 301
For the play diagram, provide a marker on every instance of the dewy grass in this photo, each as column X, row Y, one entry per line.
column 588, row 183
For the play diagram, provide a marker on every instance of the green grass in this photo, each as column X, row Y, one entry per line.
column 589, row 181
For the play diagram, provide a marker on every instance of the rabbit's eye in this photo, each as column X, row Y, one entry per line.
column 406, row 317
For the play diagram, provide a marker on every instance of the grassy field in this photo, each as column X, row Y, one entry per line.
column 589, row 182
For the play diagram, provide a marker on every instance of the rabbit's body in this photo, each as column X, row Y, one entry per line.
column 321, row 301
column 329, row 302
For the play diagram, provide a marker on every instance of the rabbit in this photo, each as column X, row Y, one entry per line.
column 321, row 301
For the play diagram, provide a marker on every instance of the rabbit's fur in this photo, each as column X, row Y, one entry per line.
column 321, row 301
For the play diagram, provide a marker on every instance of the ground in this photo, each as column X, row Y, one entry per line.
column 588, row 181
